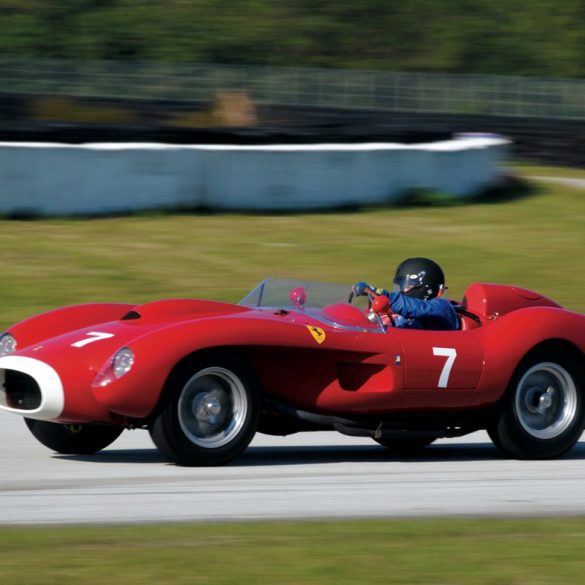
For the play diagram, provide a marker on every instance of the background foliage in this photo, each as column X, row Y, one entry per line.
column 523, row 37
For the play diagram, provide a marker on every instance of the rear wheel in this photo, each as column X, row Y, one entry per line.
column 73, row 439
column 212, row 415
column 544, row 412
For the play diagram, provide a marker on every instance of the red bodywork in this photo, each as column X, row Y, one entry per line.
column 330, row 361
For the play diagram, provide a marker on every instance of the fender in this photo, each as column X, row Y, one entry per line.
column 160, row 350
column 59, row 321
column 512, row 336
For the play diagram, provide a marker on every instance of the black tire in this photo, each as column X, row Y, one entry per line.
column 543, row 412
column 405, row 446
column 212, row 414
column 82, row 439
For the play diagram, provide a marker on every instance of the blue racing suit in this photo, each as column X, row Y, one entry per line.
column 435, row 314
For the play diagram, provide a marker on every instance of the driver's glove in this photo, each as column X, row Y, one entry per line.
column 359, row 288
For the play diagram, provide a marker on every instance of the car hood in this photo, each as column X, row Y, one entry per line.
column 180, row 309
column 95, row 343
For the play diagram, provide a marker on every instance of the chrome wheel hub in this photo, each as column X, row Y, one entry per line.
column 206, row 408
column 212, row 407
column 546, row 400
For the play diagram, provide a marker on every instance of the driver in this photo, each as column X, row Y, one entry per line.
column 419, row 285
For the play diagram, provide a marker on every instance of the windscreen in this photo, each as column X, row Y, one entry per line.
column 326, row 302
column 278, row 292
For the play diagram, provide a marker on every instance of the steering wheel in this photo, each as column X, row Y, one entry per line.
column 378, row 311
column 352, row 295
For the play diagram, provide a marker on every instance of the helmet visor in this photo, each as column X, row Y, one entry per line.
column 405, row 282
column 399, row 283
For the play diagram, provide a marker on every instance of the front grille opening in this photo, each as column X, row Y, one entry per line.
column 21, row 391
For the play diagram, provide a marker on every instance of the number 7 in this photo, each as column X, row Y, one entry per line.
column 91, row 337
column 450, row 353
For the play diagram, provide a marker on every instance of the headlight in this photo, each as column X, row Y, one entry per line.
column 116, row 367
column 7, row 344
column 123, row 362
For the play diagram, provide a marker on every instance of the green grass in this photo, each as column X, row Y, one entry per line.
column 530, row 170
column 536, row 241
column 437, row 552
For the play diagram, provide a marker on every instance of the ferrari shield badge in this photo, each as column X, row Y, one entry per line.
column 317, row 333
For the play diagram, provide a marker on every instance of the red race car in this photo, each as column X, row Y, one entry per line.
column 203, row 376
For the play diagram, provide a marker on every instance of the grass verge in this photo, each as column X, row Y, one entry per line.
column 535, row 241
column 528, row 170
column 438, row 552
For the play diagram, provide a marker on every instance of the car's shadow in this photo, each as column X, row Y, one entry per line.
column 257, row 456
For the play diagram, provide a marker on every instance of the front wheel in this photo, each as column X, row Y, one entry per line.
column 73, row 439
column 544, row 412
column 212, row 414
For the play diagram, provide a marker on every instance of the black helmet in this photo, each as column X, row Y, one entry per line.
column 420, row 278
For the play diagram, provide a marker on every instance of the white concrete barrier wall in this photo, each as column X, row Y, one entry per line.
column 56, row 179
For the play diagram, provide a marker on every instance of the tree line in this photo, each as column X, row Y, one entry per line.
column 516, row 37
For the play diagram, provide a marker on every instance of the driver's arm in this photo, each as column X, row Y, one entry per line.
column 360, row 289
column 420, row 309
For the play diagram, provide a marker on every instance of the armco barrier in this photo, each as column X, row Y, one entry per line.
column 62, row 179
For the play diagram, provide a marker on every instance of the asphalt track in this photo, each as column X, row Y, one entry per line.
column 312, row 475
